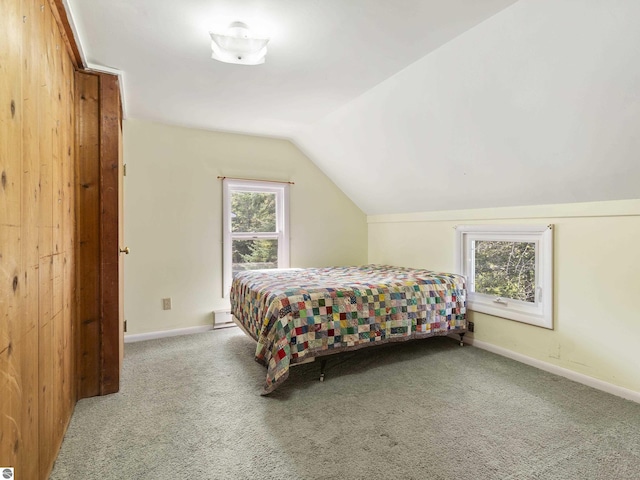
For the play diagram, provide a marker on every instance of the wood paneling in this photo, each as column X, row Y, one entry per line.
column 30, row 144
column 37, row 237
column 57, row 221
column 14, row 380
column 67, row 33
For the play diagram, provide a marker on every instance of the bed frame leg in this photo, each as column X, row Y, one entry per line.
column 461, row 336
column 322, row 365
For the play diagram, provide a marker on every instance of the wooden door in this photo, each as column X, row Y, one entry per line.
column 99, row 322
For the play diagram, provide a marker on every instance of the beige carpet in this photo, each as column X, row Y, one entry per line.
column 190, row 408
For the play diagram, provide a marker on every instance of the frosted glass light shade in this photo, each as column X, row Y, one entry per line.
column 237, row 46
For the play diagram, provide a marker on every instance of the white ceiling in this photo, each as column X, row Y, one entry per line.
column 407, row 105
column 322, row 54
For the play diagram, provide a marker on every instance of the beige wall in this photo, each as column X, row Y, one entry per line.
column 596, row 281
column 173, row 217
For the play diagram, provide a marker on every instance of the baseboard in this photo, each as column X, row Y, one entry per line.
column 139, row 337
column 561, row 371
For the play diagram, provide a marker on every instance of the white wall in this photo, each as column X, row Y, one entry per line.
column 173, row 208
column 537, row 105
column 596, row 281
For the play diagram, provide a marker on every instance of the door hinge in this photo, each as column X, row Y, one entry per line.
column 124, row 170
column 125, row 325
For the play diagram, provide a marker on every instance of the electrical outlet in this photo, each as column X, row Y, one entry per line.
column 470, row 327
column 166, row 303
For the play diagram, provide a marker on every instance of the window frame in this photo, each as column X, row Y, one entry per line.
column 541, row 312
column 281, row 191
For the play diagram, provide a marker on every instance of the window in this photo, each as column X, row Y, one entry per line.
column 508, row 270
column 255, row 227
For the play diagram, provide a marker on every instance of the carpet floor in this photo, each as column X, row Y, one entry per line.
column 189, row 408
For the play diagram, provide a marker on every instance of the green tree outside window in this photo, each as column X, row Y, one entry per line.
column 253, row 212
column 506, row 269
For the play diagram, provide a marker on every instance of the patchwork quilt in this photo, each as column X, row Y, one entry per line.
column 295, row 314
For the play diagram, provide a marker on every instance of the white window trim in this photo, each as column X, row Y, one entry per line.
column 541, row 312
column 281, row 234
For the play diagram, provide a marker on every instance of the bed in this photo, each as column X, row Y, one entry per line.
column 298, row 314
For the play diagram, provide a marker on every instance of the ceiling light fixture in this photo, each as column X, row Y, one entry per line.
column 237, row 46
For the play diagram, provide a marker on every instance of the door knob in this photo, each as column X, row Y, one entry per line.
column 125, row 250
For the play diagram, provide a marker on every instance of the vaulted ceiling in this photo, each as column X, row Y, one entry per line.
column 411, row 105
